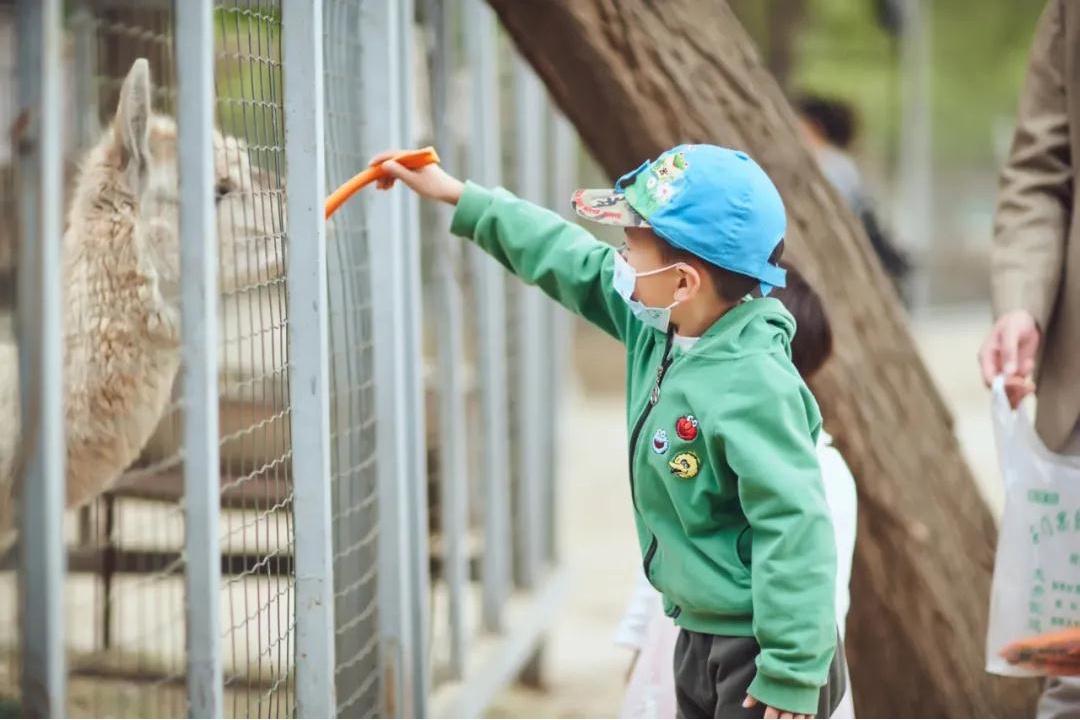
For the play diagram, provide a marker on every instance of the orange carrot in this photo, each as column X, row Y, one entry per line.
column 1054, row 653
column 413, row 159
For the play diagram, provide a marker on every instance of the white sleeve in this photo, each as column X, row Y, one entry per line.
column 644, row 606
column 843, row 507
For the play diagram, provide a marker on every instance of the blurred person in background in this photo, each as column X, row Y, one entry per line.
column 1035, row 268
column 829, row 128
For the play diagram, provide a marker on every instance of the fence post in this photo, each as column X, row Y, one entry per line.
column 530, row 165
column 563, row 179
column 411, row 328
column 41, row 542
column 403, row 571
column 199, row 292
column 453, row 440
column 489, row 282
column 309, row 370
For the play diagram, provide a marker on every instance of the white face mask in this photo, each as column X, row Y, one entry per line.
column 624, row 280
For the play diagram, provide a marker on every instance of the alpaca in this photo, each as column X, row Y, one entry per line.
column 121, row 290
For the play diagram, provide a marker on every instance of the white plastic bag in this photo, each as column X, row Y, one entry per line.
column 1036, row 585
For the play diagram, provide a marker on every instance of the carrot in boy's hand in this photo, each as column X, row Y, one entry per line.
column 429, row 181
column 377, row 172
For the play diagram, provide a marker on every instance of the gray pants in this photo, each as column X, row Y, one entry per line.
column 712, row 674
column 1060, row 699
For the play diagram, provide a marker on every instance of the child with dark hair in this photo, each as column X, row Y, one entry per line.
column 644, row 629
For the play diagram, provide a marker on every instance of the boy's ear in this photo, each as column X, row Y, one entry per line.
column 689, row 283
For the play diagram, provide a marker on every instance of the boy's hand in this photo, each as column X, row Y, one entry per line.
column 430, row 181
column 773, row 713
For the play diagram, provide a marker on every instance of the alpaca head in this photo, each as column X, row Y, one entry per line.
column 143, row 146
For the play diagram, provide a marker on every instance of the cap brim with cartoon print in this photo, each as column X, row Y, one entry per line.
column 713, row 202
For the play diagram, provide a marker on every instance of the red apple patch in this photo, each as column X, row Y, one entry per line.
column 686, row 427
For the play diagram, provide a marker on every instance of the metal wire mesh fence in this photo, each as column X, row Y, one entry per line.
column 126, row 605
column 126, row 560
column 254, row 410
column 353, row 441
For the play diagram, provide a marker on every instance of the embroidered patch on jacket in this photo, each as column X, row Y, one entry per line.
column 660, row 443
column 685, row 465
column 686, row 427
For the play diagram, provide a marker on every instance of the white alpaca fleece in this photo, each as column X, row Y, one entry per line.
column 121, row 294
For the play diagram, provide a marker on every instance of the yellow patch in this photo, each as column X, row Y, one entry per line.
column 685, row 465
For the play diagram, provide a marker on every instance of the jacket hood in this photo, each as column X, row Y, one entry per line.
column 754, row 327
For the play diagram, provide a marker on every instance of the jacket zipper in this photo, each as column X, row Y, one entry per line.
column 654, row 398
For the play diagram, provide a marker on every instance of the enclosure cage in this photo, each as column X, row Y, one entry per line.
column 356, row 516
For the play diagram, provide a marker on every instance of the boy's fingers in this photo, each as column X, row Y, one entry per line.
column 771, row 714
column 397, row 170
column 749, row 702
column 384, row 156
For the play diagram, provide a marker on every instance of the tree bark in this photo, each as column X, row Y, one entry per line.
column 636, row 77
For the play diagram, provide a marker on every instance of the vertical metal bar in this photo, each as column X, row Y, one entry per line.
column 563, row 181
column 452, row 441
column 309, row 370
column 529, row 107
column 403, row 578
column 411, row 328
column 485, row 154
column 198, row 298
column 41, row 382
column 84, row 30
column 915, row 176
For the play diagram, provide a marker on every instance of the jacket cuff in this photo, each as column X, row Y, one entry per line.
column 785, row 696
column 472, row 204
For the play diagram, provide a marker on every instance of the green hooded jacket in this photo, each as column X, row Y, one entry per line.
column 728, row 498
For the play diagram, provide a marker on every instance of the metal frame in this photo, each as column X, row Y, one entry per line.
column 453, row 471
column 42, row 559
column 562, row 181
column 403, row 572
column 411, row 326
column 199, row 306
column 531, row 162
column 489, row 279
column 309, row 370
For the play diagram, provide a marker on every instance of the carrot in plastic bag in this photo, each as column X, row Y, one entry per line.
column 413, row 159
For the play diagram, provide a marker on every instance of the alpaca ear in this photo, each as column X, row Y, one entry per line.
column 131, row 126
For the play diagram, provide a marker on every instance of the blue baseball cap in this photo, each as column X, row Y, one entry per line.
column 713, row 202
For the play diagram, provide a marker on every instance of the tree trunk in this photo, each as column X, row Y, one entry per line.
column 636, row 77
column 785, row 17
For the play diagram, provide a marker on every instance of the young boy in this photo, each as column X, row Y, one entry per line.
column 724, row 479
column 650, row 691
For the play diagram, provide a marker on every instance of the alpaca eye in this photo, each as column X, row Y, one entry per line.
column 221, row 190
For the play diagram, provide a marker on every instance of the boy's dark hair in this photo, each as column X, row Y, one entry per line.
column 731, row 286
column 835, row 118
column 813, row 342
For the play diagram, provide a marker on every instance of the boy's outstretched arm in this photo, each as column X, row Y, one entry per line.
column 767, row 432
column 537, row 245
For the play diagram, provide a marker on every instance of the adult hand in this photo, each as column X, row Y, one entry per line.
column 430, row 181
column 1010, row 350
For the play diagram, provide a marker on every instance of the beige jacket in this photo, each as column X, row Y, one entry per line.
column 1036, row 253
